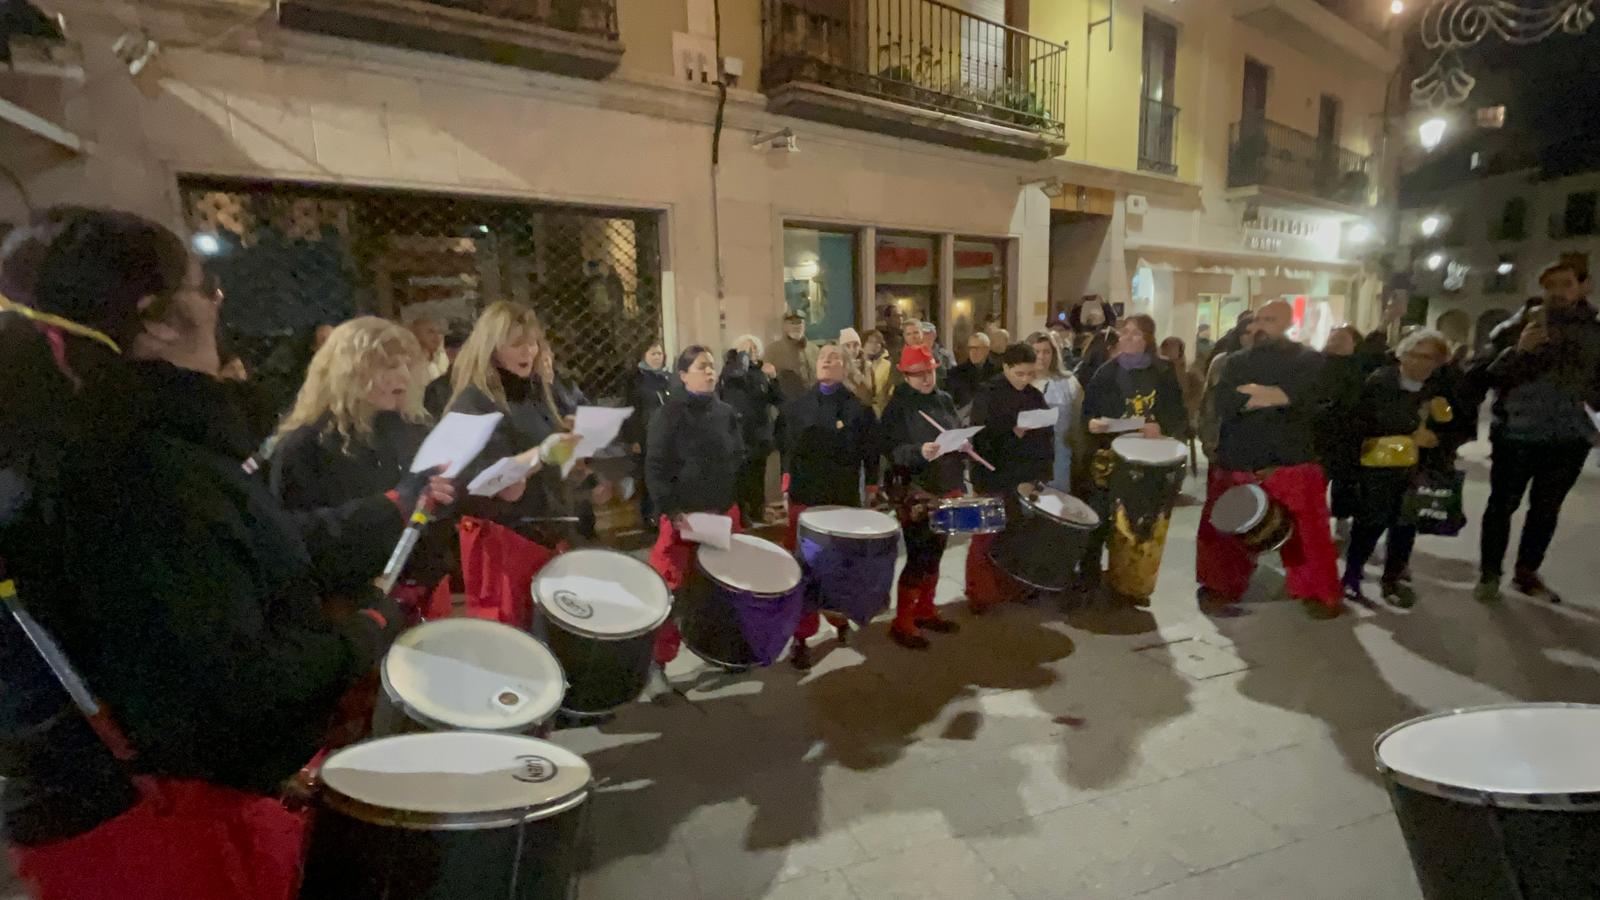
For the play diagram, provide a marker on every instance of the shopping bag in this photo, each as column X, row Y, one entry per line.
column 1433, row 504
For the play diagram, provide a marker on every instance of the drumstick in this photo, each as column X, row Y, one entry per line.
column 970, row 452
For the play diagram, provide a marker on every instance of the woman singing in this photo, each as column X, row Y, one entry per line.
column 1064, row 395
column 695, row 451
column 506, row 540
column 918, row 475
column 1019, row 456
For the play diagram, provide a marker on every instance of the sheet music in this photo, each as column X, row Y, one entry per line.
column 953, row 439
column 455, row 442
column 708, row 528
column 596, row 427
column 503, row 474
column 1030, row 419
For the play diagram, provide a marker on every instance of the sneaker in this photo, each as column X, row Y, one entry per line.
column 907, row 640
column 938, row 625
column 1354, row 594
column 800, row 657
column 1399, row 594
column 1320, row 611
column 1531, row 585
column 1487, row 592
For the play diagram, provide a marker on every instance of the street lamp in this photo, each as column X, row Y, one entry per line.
column 1431, row 132
column 1396, row 8
column 1430, row 226
column 1435, row 260
column 1505, row 268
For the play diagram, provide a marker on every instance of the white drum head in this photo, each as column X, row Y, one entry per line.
column 1239, row 509
column 752, row 565
column 1537, row 748
column 456, row 773
column 1161, row 451
column 602, row 593
column 476, row 674
column 1064, row 507
column 847, row 521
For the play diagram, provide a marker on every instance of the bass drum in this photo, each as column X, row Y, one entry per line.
column 1044, row 542
column 598, row 613
column 1248, row 512
column 740, row 606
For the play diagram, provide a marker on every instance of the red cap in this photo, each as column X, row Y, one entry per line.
column 917, row 359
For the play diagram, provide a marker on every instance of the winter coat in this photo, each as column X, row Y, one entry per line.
column 693, row 454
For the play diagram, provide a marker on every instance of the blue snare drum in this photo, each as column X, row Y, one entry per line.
column 967, row 515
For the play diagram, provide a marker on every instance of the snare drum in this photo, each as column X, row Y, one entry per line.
column 1043, row 544
column 1499, row 802
column 1249, row 513
column 848, row 556
column 967, row 515
column 447, row 816
column 739, row 606
column 599, row 611
column 468, row 674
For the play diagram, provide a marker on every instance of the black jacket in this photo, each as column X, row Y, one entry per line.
column 753, row 396
column 693, row 454
column 829, row 440
column 647, row 392
column 1386, row 408
column 527, row 421
column 967, row 377
column 903, row 431
column 1152, row 393
column 436, row 396
column 190, row 600
column 1016, row 460
column 1540, row 395
column 1338, row 392
column 1250, row 440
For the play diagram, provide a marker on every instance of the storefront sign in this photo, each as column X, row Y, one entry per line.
column 1270, row 231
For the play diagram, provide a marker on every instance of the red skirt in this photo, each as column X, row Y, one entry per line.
column 497, row 569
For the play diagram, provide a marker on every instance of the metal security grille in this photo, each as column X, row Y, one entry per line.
column 291, row 257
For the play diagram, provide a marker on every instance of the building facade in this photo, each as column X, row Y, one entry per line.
column 967, row 161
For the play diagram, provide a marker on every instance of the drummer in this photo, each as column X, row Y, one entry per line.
column 1134, row 384
column 505, row 540
column 693, row 451
column 1019, row 456
column 352, row 433
column 829, row 449
column 917, row 476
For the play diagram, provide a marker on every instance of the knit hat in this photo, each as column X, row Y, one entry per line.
column 917, row 359
column 849, row 335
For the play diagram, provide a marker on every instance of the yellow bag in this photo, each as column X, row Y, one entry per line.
column 1392, row 451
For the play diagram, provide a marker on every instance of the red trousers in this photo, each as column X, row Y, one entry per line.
column 987, row 584
column 497, row 569
column 1224, row 565
column 671, row 557
column 185, row 840
column 913, row 602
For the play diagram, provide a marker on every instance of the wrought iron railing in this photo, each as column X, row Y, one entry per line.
column 1158, row 137
column 591, row 17
column 919, row 52
column 1263, row 152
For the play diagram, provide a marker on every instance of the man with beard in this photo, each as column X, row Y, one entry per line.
column 794, row 357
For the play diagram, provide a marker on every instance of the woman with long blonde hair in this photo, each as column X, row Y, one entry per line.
column 352, row 433
column 506, row 540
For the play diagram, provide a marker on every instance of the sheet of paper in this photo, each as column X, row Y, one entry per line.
column 708, row 528
column 1037, row 418
column 499, row 476
column 1118, row 426
column 951, row 440
column 455, row 442
column 596, row 427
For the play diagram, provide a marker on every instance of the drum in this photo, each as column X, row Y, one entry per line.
column 739, row 606
column 1499, row 801
column 1249, row 513
column 469, row 674
column 1146, row 478
column 1044, row 542
column 448, row 816
column 598, row 613
column 848, row 557
column 967, row 515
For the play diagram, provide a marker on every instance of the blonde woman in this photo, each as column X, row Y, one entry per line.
column 351, row 435
column 506, row 540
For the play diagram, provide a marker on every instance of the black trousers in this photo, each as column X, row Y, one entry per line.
column 1377, row 498
column 751, row 487
column 1546, row 473
column 1344, row 485
column 924, row 550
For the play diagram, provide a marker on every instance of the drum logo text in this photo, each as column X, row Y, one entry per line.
column 571, row 603
column 534, row 769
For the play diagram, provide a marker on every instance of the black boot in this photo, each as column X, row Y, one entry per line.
column 800, row 657
column 938, row 625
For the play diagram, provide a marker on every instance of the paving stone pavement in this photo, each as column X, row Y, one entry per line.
column 1093, row 753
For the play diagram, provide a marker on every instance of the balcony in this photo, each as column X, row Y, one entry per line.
column 1295, row 169
column 1320, row 32
column 916, row 69
column 568, row 37
column 1158, row 137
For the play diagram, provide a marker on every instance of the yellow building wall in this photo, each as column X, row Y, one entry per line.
column 647, row 27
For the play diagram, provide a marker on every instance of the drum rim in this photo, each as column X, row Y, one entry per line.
column 433, row 724
column 412, row 820
column 700, row 566
column 1029, row 502
column 800, row 523
column 1260, row 515
column 1563, row 801
column 1175, row 461
column 974, row 500
column 579, row 630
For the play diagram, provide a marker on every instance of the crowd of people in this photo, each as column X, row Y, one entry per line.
column 215, row 585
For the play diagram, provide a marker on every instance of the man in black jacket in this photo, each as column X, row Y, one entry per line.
column 1543, row 367
column 830, row 448
column 967, row 377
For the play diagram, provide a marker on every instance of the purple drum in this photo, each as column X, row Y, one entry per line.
column 739, row 606
column 848, row 556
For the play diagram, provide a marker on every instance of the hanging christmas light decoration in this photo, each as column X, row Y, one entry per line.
column 1450, row 26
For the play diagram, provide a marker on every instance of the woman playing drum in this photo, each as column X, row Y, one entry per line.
column 918, row 475
column 693, row 453
column 1020, row 456
column 1134, row 384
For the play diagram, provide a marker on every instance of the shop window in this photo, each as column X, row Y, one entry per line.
column 1580, row 217
column 819, row 279
column 907, row 275
column 979, row 298
column 1513, row 221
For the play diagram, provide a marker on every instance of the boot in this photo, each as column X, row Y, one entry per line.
column 908, row 640
column 938, row 625
column 800, row 657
